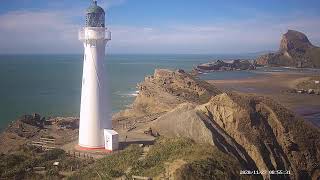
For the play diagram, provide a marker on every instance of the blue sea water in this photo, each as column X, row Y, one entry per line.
column 51, row 84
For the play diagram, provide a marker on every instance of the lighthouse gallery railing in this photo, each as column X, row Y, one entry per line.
column 94, row 33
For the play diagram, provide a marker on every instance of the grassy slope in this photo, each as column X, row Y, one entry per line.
column 202, row 161
column 16, row 165
column 111, row 166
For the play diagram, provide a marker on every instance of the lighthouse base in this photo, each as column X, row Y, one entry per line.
column 111, row 142
column 92, row 149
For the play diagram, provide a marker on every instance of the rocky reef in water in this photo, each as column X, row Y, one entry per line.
column 221, row 65
column 257, row 132
column 295, row 51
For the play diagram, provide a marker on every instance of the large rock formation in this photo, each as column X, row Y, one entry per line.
column 270, row 134
column 295, row 50
column 165, row 90
column 220, row 65
column 260, row 133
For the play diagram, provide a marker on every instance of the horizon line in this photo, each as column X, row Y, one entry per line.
column 240, row 53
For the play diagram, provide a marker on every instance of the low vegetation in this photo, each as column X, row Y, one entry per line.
column 177, row 158
column 111, row 166
column 200, row 158
column 24, row 163
column 310, row 84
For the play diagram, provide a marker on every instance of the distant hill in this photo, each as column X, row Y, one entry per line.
column 295, row 50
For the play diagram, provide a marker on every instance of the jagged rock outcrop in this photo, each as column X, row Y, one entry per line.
column 220, row 65
column 271, row 135
column 295, row 50
column 165, row 90
column 29, row 128
column 26, row 126
column 260, row 133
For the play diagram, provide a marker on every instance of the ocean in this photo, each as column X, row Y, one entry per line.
column 51, row 84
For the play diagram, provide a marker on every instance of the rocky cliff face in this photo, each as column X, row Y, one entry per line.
column 258, row 132
column 295, row 50
column 166, row 89
column 269, row 133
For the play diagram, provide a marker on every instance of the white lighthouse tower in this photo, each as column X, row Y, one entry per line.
column 95, row 110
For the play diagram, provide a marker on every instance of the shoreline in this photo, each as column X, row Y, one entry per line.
column 277, row 81
column 275, row 85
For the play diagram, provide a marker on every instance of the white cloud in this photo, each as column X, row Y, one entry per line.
column 47, row 31
column 32, row 32
column 55, row 32
column 230, row 37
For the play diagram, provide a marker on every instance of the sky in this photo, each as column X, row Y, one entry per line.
column 158, row 26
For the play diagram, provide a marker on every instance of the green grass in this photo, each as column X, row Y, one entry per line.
column 199, row 157
column 201, row 161
column 164, row 150
column 167, row 150
column 208, row 169
column 16, row 165
column 111, row 166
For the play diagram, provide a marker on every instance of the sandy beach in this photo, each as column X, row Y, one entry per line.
column 276, row 86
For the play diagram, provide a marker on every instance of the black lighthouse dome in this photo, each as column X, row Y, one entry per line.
column 95, row 15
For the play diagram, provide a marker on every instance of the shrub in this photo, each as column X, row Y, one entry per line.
column 53, row 154
column 52, row 172
column 111, row 166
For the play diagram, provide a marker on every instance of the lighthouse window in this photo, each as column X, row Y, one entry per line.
column 95, row 20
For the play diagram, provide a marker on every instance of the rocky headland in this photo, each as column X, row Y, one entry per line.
column 295, row 51
column 256, row 131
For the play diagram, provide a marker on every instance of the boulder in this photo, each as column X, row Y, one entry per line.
column 310, row 91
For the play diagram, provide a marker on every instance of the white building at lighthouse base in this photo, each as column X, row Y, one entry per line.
column 111, row 139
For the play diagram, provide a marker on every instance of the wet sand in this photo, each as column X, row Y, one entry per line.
column 275, row 85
